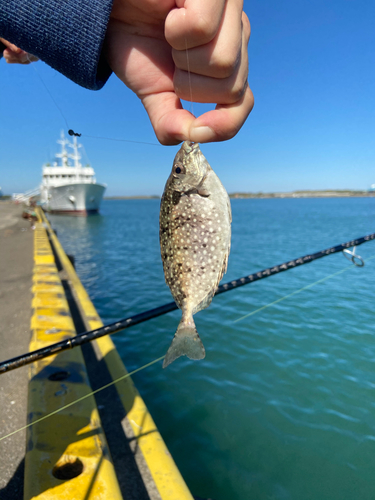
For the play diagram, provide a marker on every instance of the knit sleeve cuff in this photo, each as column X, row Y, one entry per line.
column 66, row 34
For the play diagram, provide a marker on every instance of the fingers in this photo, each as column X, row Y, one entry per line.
column 172, row 124
column 224, row 122
column 216, row 72
column 15, row 55
column 219, row 57
column 193, row 23
column 226, row 89
column 213, row 69
column 170, row 121
column 11, row 46
column 20, row 57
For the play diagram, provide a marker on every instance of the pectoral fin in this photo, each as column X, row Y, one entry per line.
column 203, row 192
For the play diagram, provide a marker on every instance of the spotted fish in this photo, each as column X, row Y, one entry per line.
column 195, row 219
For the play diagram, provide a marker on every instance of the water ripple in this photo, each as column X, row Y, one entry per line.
column 282, row 407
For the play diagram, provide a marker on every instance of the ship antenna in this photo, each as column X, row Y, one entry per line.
column 75, row 156
column 64, row 154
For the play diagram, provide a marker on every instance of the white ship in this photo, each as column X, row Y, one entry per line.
column 69, row 188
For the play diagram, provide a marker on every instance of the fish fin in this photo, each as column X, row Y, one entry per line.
column 223, row 270
column 185, row 342
column 225, row 265
column 208, row 298
column 229, row 208
column 203, row 192
column 205, row 302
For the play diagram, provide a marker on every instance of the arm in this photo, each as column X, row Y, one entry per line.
column 164, row 51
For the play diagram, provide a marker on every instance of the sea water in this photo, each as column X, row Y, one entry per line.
column 283, row 405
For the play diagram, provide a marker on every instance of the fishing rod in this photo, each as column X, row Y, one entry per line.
column 85, row 337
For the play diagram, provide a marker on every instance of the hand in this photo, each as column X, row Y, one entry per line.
column 196, row 51
column 14, row 55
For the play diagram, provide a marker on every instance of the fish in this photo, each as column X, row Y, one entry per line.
column 195, row 240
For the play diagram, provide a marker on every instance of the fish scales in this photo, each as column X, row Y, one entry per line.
column 195, row 232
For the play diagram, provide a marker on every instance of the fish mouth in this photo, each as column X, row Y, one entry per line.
column 189, row 146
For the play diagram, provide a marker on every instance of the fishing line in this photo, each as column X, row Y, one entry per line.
column 189, row 78
column 298, row 291
column 71, row 132
column 48, row 92
column 120, row 140
column 82, row 398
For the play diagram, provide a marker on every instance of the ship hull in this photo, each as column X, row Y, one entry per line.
column 78, row 199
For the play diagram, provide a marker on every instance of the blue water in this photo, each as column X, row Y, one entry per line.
column 283, row 406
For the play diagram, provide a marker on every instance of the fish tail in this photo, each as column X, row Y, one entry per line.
column 186, row 341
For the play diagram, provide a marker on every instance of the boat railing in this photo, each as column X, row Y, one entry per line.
column 25, row 197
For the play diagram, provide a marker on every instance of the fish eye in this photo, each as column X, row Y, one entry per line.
column 178, row 169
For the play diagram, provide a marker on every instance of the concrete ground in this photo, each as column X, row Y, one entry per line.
column 16, row 265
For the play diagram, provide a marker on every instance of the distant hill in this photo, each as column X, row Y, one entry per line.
column 328, row 193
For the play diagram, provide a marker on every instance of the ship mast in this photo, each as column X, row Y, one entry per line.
column 75, row 156
column 64, row 154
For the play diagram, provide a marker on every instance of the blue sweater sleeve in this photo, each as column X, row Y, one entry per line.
column 66, row 34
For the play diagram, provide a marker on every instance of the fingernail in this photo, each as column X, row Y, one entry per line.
column 201, row 134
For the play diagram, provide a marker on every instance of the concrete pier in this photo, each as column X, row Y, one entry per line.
column 16, row 268
column 80, row 444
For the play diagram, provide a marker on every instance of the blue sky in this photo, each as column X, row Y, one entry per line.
column 311, row 70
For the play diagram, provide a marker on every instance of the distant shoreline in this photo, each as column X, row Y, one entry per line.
column 329, row 193
column 155, row 197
